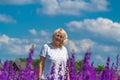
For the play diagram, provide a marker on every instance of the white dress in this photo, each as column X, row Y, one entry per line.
column 56, row 56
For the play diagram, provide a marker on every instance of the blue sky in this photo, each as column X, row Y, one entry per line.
column 91, row 24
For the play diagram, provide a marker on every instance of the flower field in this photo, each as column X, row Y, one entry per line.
column 86, row 72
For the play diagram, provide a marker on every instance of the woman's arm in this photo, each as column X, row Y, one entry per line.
column 68, row 74
column 41, row 66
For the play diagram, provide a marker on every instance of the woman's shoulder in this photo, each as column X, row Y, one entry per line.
column 64, row 48
column 46, row 45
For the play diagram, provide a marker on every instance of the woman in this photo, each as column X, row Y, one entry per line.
column 56, row 54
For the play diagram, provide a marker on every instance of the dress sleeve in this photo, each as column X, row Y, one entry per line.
column 44, row 50
column 67, row 55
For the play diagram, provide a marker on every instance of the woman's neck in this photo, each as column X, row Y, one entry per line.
column 54, row 45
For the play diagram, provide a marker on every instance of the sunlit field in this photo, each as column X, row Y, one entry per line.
column 81, row 70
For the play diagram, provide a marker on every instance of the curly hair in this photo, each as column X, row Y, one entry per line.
column 62, row 31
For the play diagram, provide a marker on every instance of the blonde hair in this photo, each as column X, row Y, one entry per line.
column 62, row 31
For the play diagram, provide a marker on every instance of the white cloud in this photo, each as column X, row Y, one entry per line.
column 13, row 45
column 72, row 7
column 36, row 40
column 17, row 2
column 6, row 19
column 18, row 41
column 21, row 45
column 72, row 46
column 99, row 51
column 100, row 58
column 4, row 39
column 86, row 44
column 19, row 48
column 101, row 26
column 50, row 5
column 54, row 7
column 15, row 49
column 16, row 46
column 99, row 5
column 28, row 47
column 43, row 33
column 33, row 31
column 74, row 25
column 107, row 48
column 80, row 45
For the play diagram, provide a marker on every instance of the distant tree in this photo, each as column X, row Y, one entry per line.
column 22, row 59
column 36, row 62
column 100, row 68
column 79, row 64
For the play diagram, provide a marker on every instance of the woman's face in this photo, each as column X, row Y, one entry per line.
column 58, row 38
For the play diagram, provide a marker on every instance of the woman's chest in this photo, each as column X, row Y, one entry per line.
column 56, row 55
